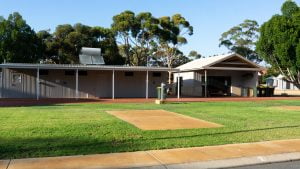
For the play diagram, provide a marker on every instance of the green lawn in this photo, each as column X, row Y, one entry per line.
column 87, row 129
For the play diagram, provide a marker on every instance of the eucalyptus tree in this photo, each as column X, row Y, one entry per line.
column 241, row 39
column 194, row 55
column 279, row 42
column 172, row 35
column 136, row 34
column 104, row 38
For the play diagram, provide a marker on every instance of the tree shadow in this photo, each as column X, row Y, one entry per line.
column 226, row 133
column 68, row 145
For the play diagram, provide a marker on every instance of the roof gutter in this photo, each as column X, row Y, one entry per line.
column 83, row 67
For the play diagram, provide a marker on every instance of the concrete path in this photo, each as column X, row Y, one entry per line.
column 197, row 157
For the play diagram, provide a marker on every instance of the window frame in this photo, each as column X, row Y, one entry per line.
column 19, row 80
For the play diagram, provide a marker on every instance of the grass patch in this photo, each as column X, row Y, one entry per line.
column 74, row 129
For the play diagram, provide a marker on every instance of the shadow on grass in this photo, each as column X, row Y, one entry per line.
column 58, row 146
column 229, row 132
column 44, row 102
column 177, row 102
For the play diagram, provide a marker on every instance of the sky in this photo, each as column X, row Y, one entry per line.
column 210, row 18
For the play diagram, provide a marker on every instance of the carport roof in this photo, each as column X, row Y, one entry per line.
column 210, row 62
column 82, row 67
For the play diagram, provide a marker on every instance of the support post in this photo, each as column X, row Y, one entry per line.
column 113, row 84
column 76, row 92
column 147, row 85
column 2, row 82
column 178, row 86
column 205, row 81
column 38, row 84
column 162, row 90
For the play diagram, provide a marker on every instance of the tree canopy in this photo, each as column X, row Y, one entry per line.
column 279, row 42
column 174, row 31
column 241, row 39
column 194, row 55
column 133, row 39
column 143, row 37
column 136, row 33
column 18, row 41
column 63, row 46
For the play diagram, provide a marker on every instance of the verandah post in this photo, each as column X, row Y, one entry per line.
column 147, row 85
column 113, row 84
column 205, row 80
column 38, row 84
column 76, row 92
column 178, row 86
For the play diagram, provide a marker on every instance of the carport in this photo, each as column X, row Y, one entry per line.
column 224, row 75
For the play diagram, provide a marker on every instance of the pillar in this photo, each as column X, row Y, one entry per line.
column 38, row 84
column 76, row 90
column 147, row 84
column 113, row 84
column 205, row 81
column 178, row 86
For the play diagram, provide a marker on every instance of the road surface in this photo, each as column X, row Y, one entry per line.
column 285, row 165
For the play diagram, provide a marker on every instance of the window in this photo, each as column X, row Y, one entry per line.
column 69, row 72
column 270, row 82
column 128, row 73
column 16, row 78
column 288, row 85
column 156, row 74
column 82, row 73
column 44, row 72
column 275, row 83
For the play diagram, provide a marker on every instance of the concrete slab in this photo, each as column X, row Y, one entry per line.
column 4, row 164
column 161, row 120
column 115, row 160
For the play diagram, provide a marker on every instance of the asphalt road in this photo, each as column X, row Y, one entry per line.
column 285, row 165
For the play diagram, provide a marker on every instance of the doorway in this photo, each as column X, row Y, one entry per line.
column 217, row 86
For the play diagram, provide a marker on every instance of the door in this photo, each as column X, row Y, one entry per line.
column 16, row 84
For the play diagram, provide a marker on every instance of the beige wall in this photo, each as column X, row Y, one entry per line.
column 289, row 92
column 97, row 84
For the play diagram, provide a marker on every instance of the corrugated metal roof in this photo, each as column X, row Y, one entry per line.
column 204, row 63
column 83, row 67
